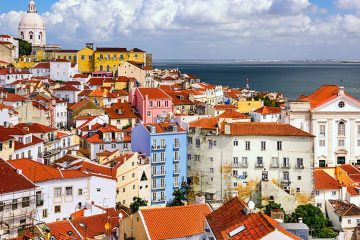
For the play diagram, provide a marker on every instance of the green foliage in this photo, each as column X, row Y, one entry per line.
column 272, row 206
column 137, row 203
column 314, row 218
column 25, row 48
column 179, row 198
column 267, row 101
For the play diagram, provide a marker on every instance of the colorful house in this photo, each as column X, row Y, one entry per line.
column 152, row 104
column 107, row 59
column 165, row 144
column 85, row 59
column 246, row 106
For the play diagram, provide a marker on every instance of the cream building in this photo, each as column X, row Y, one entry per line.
column 333, row 117
column 32, row 27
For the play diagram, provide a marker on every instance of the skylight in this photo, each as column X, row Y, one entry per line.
column 237, row 231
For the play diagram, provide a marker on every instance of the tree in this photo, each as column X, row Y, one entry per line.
column 25, row 48
column 272, row 206
column 179, row 198
column 314, row 218
column 137, row 203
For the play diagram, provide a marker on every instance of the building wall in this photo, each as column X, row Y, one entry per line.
column 7, row 149
column 29, row 113
column 216, row 170
column 133, row 226
column 60, row 71
column 108, row 61
column 85, row 60
column 69, row 96
column 257, row 117
column 249, row 106
column 132, row 71
column 322, row 195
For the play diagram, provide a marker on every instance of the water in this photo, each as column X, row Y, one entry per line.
column 290, row 79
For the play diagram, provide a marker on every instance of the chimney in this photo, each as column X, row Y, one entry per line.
column 341, row 91
column 19, row 171
column 300, row 220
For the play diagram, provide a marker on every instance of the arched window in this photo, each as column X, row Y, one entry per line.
column 40, row 36
column 31, row 35
column 101, row 68
column 341, row 129
column 22, row 35
column 107, row 68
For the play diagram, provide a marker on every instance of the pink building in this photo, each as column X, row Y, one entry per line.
column 151, row 103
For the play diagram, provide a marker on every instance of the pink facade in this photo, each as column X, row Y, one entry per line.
column 153, row 104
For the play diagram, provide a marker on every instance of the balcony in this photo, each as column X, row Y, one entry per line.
column 176, row 172
column 159, row 200
column 177, row 159
column 259, row 165
column 158, row 174
column 177, row 146
column 158, row 147
column 274, row 165
column 285, row 181
column 239, row 165
column 158, row 187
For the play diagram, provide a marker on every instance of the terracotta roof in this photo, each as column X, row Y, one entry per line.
column 67, row 87
column 42, row 65
column 175, row 222
column 264, row 129
column 96, row 81
column 321, row 95
column 122, row 79
column 154, row 93
column 16, row 182
column 353, row 191
column 38, row 172
column 9, row 71
column 110, row 49
column 323, row 181
column 205, row 123
column 78, row 105
column 35, row 140
column 349, row 169
column 94, row 169
column 233, row 115
column 268, row 110
column 233, row 215
column 165, row 127
column 120, row 110
column 35, row 127
column 136, row 50
column 343, row 208
column 224, row 107
column 63, row 230
column 12, row 97
column 81, row 75
column 85, row 93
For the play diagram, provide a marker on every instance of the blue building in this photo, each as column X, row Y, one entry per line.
column 165, row 144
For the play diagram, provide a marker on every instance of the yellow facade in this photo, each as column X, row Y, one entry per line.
column 85, row 58
column 70, row 55
column 137, row 56
column 343, row 178
column 246, row 106
column 25, row 62
column 109, row 60
column 40, row 55
column 7, row 149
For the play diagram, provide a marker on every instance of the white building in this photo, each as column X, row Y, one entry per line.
column 15, row 43
column 333, row 117
column 32, row 27
column 266, row 114
column 8, row 116
column 61, row 70
column 224, row 156
column 69, row 93
column 326, row 188
column 10, row 75
column 41, row 70
column 61, row 114
column 63, row 192
column 344, row 216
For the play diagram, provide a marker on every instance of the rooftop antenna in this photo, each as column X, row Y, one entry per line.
column 247, row 84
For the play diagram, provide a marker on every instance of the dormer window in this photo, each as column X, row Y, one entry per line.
column 341, row 104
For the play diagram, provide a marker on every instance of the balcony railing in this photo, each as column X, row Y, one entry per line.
column 158, row 187
column 299, row 166
column 158, row 147
column 259, row 165
column 239, row 165
column 176, row 146
column 285, row 181
column 176, row 172
column 286, row 165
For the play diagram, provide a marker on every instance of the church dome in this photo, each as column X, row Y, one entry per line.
column 31, row 20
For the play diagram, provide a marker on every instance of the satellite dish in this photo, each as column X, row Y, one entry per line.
column 251, row 205
column 121, row 215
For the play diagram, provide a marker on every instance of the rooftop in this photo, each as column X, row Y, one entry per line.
column 323, row 181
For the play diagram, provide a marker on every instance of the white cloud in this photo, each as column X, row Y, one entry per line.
column 189, row 23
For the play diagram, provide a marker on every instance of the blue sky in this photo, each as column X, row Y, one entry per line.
column 202, row 29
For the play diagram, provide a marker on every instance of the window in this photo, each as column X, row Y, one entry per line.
column 80, row 191
column 154, row 157
column 259, row 161
column 197, row 143
column 124, row 189
column 236, row 143
column 211, row 159
column 101, row 147
column 166, row 104
column 274, row 162
column 98, row 189
column 189, row 140
column 153, row 196
column 57, row 209
column 122, row 178
column 322, row 130
column 162, row 170
column 148, row 113
column 279, row 145
column 189, row 157
column 341, row 104
column 14, row 204
column 263, row 146
column 286, row 162
column 176, row 143
column 235, row 173
column 317, row 193
column 341, row 143
column 318, row 205
column 153, row 171
column 247, row 145
column 298, row 190
column 44, row 213
column 333, row 193
column 25, row 202
column 244, row 161
column 299, row 177
column 1, row 146
column 10, row 144
column 176, row 181
column 57, row 192
column 154, row 185
column 349, row 221
column 300, row 163
column 196, row 157
column 210, row 143
column 211, row 170
column 341, row 129
column 162, row 182
column 158, row 103
column 176, row 156
column 236, row 160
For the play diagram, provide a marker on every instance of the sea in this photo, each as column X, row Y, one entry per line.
column 289, row 78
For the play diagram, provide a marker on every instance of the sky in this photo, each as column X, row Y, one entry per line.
column 201, row 29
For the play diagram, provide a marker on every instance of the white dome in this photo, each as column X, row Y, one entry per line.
column 31, row 20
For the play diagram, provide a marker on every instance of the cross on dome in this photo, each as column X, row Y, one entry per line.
column 32, row 7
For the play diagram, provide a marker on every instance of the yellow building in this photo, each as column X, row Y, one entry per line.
column 70, row 55
column 347, row 175
column 85, row 59
column 7, row 147
column 107, row 59
column 246, row 106
column 25, row 62
column 137, row 55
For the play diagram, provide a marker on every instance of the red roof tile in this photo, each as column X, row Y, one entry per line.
column 233, row 115
column 20, row 145
column 16, row 182
column 268, row 110
column 42, row 65
column 35, row 127
column 205, row 123
column 96, row 81
column 224, row 107
column 12, row 97
column 175, row 222
column 323, row 181
column 67, row 88
column 321, row 95
column 154, row 93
